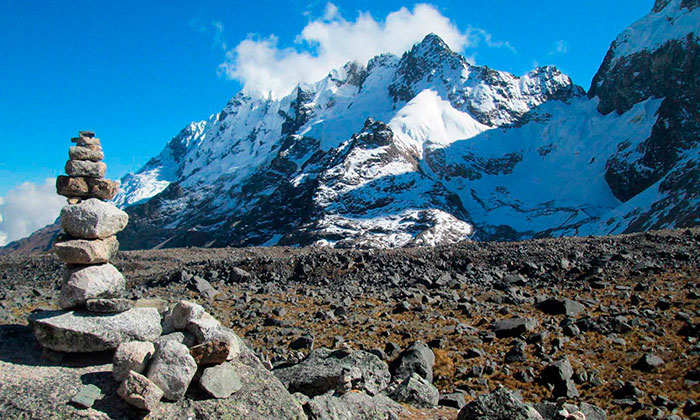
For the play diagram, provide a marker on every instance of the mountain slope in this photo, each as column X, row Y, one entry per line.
column 428, row 149
column 312, row 168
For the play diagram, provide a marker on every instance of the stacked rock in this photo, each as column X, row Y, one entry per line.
column 90, row 225
column 96, row 316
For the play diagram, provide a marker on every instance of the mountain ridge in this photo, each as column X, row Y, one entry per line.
column 427, row 149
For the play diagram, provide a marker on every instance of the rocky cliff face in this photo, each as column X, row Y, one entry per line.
column 657, row 57
column 428, row 149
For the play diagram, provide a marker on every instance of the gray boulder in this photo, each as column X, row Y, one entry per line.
column 418, row 358
column 417, row 391
column 514, row 327
column 648, row 363
column 81, row 332
column 172, row 369
column 324, row 370
column 352, row 406
column 501, row 404
column 140, row 391
column 220, row 381
column 566, row 307
column 90, row 282
column 81, row 251
column 559, row 376
column 554, row 411
column 131, row 356
column 93, row 219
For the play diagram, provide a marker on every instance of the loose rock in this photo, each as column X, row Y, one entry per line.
column 172, row 369
column 220, row 381
column 131, row 356
column 140, row 391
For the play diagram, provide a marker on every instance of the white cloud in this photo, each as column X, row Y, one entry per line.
column 560, row 47
column 331, row 41
column 28, row 207
column 219, row 41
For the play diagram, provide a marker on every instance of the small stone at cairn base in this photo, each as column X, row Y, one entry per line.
column 140, row 391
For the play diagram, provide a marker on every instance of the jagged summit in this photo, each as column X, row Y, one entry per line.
column 428, row 149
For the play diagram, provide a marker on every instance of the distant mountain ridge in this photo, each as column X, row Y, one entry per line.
column 426, row 149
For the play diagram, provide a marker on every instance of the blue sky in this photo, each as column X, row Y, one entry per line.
column 137, row 72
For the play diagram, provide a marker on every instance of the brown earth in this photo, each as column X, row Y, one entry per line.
column 454, row 294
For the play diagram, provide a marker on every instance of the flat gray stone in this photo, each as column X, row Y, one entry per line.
column 81, row 332
column 131, row 356
column 220, row 381
column 84, row 153
column 83, row 251
column 109, row 306
column 86, row 168
column 172, row 369
column 140, row 391
column 93, row 219
column 90, row 282
column 86, row 396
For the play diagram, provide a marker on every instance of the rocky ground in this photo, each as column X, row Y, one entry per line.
column 621, row 311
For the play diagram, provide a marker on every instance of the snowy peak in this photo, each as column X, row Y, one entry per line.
column 670, row 20
column 427, row 149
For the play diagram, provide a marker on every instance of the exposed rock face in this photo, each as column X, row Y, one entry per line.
column 93, row 219
column 666, row 69
column 80, row 332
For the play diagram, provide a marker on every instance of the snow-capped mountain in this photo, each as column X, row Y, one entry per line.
column 426, row 149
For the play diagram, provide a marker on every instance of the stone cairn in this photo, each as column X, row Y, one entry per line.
column 95, row 315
